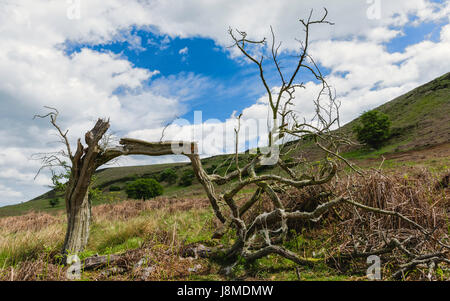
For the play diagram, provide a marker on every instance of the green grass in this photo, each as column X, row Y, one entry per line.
column 280, row 269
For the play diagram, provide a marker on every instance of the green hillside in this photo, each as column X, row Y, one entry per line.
column 420, row 119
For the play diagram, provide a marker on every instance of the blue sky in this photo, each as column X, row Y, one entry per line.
column 235, row 84
column 203, row 57
column 144, row 63
column 413, row 34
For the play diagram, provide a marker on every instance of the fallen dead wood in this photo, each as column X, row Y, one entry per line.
column 96, row 262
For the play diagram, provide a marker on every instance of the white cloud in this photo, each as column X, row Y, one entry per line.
column 373, row 75
column 382, row 34
column 445, row 34
column 184, row 54
column 183, row 51
column 7, row 192
column 23, row 177
column 161, row 45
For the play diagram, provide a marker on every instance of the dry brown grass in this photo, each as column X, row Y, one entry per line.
column 158, row 262
column 31, row 240
column 29, row 243
column 133, row 208
column 34, row 270
column 33, row 221
column 411, row 192
column 152, row 261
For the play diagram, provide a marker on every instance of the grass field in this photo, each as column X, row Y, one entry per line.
column 160, row 229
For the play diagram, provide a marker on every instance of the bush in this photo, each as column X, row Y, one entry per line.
column 144, row 189
column 373, row 129
column 95, row 195
column 115, row 188
column 168, row 175
column 155, row 177
column 186, row 178
column 53, row 202
column 59, row 181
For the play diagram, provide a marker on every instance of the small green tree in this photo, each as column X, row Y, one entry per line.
column 59, row 180
column 186, row 178
column 53, row 202
column 168, row 175
column 144, row 189
column 373, row 128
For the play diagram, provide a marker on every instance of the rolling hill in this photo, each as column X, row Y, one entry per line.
column 420, row 118
column 420, row 121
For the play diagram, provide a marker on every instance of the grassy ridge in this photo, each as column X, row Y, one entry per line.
column 420, row 118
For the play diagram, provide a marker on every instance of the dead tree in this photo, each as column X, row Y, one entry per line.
column 258, row 233
column 82, row 168
column 84, row 163
column 284, row 122
column 262, row 234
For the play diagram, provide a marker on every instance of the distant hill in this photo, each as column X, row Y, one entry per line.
column 420, row 119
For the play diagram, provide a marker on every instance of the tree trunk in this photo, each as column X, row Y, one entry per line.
column 78, row 205
column 78, row 222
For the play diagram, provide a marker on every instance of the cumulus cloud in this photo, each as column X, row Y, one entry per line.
column 7, row 192
column 373, row 75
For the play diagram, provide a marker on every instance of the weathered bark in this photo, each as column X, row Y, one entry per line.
column 78, row 205
column 78, row 222
column 208, row 185
column 96, row 262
